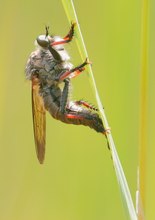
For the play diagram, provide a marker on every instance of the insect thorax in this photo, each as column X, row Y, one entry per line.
column 42, row 62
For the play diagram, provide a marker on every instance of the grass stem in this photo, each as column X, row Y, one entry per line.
column 127, row 200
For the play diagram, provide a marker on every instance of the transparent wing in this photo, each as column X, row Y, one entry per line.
column 39, row 120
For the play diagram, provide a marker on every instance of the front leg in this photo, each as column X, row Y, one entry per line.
column 70, row 34
column 64, row 97
column 67, row 38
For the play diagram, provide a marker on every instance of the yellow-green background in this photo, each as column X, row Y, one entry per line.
column 77, row 180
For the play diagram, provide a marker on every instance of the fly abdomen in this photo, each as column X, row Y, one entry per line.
column 82, row 116
column 76, row 115
column 51, row 97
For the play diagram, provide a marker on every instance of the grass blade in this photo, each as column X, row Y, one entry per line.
column 127, row 200
column 141, row 196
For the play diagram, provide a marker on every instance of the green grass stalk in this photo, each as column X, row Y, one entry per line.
column 127, row 200
column 143, row 113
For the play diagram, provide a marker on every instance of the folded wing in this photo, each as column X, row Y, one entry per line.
column 39, row 120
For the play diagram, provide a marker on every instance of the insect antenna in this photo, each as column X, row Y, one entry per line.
column 47, row 30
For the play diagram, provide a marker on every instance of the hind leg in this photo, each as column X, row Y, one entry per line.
column 76, row 114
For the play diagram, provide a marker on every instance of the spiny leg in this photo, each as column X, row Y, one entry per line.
column 86, row 104
column 70, row 34
column 82, row 65
column 67, row 38
column 63, row 77
column 74, row 72
column 64, row 97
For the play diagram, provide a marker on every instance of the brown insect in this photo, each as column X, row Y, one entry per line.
column 48, row 67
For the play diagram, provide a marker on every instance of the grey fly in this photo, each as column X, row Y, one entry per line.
column 48, row 67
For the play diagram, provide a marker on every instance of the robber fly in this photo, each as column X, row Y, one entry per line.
column 47, row 68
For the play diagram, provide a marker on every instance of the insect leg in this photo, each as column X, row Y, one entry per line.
column 67, row 38
column 70, row 34
column 64, row 97
column 86, row 104
column 77, row 71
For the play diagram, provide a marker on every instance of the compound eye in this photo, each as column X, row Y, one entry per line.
column 43, row 41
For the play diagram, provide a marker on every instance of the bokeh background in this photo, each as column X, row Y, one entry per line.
column 77, row 180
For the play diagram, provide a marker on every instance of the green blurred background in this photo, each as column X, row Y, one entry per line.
column 77, row 180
